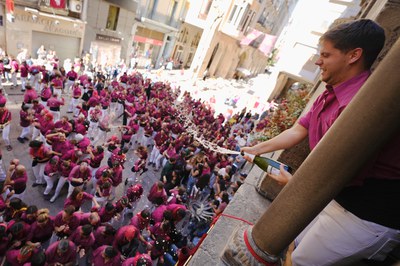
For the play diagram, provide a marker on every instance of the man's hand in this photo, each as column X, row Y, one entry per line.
column 284, row 176
column 247, row 150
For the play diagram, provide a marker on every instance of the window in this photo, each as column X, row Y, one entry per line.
column 153, row 7
column 112, row 18
column 232, row 13
column 205, row 8
column 172, row 12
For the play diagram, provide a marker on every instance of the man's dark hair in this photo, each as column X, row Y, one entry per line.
column 362, row 33
column 87, row 229
column 38, row 259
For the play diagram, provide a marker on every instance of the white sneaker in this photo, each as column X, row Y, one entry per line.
column 53, row 199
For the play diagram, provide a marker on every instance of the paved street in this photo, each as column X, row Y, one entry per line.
column 34, row 195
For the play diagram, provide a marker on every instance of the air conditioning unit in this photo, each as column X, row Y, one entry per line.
column 75, row 6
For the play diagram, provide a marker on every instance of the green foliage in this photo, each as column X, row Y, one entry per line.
column 283, row 116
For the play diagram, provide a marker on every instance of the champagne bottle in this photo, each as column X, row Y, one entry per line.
column 264, row 162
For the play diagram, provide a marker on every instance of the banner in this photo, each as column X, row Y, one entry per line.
column 260, row 40
column 251, row 37
column 57, row 4
column 267, row 44
column 10, row 6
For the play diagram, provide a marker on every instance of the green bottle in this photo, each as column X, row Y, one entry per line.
column 264, row 162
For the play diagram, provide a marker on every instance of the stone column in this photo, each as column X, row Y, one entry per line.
column 364, row 126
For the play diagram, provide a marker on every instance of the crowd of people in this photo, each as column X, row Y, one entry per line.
column 86, row 149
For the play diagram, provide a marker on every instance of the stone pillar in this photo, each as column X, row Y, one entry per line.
column 356, row 135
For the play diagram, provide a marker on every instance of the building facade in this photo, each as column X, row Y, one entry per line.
column 223, row 25
column 31, row 25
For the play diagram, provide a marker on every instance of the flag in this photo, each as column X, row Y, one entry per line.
column 57, row 4
column 267, row 44
column 260, row 40
column 10, row 6
column 251, row 37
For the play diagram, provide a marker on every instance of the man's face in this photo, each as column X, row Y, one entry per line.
column 334, row 64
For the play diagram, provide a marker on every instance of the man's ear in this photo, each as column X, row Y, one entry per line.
column 355, row 55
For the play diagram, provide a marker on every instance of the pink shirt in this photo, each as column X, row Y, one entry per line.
column 30, row 95
column 81, row 240
column 77, row 203
column 76, row 172
column 98, row 260
column 328, row 106
column 53, row 257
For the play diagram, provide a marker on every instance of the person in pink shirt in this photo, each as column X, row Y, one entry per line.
column 66, row 222
column 83, row 239
column 24, row 70
column 42, row 229
column 57, row 83
column 35, row 72
column 71, row 78
column 139, row 259
column 30, row 95
column 45, row 94
column 104, row 235
column 139, row 166
column 141, row 220
column 82, row 143
column 95, row 115
column 45, row 123
column 79, row 176
column 17, row 178
column 78, row 197
column 107, row 213
column 51, row 173
column 14, row 70
column 74, row 102
column 1, row 72
column 65, row 167
column 80, row 125
column 106, row 256
column 157, row 194
column 127, row 239
column 59, row 143
column 63, row 125
column 96, row 157
column 103, row 191
column 54, row 104
column 40, row 156
column 20, row 256
column 61, row 252
column 134, row 193
column 5, row 123
column 25, row 121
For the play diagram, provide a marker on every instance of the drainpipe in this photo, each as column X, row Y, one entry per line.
column 360, row 131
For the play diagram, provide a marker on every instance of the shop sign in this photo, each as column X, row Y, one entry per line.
column 47, row 24
column 106, row 38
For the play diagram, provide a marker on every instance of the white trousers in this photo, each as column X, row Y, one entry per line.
column 25, row 132
column 23, row 83
column 6, row 134
column 337, row 237
column 38, row 172
column 49, row 183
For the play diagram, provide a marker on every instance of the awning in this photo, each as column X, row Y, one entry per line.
column 260, row 40
column 142, row 39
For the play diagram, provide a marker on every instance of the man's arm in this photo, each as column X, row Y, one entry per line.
column 285, row 140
